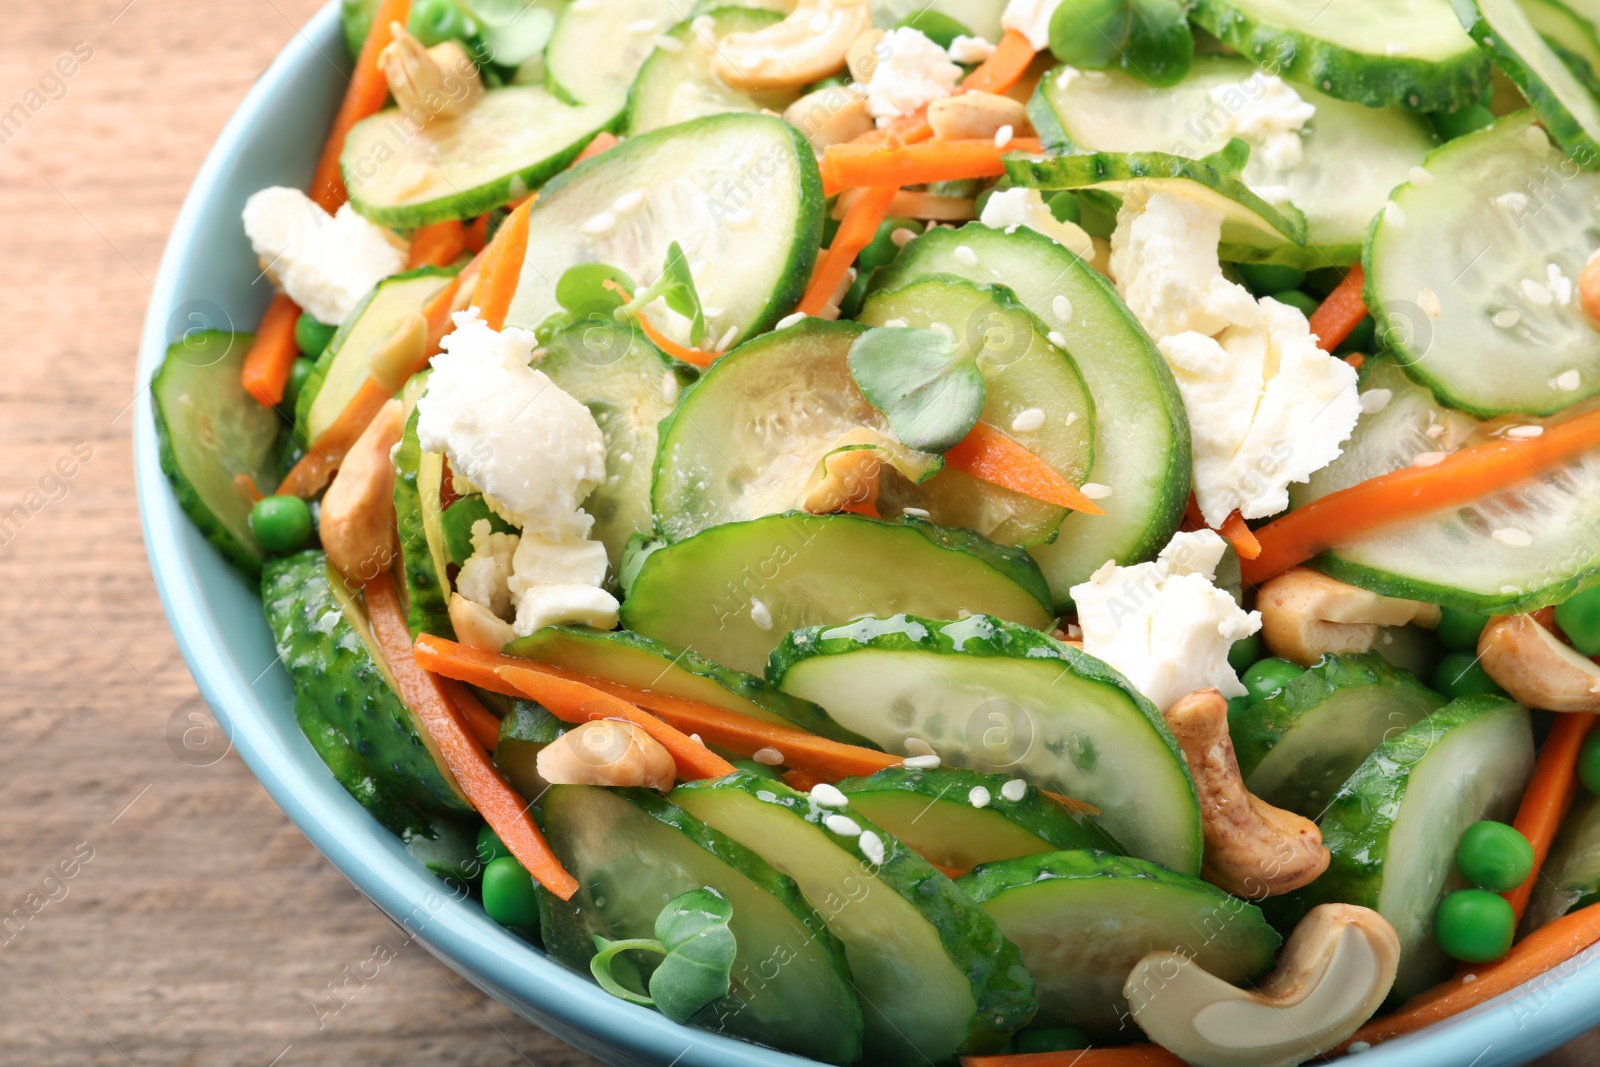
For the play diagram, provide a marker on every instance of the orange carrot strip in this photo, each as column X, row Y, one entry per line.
column 1549, row 796
column 246, row 485
column 501, row 268
column 315, row 469
column 272, row 353
column 673, row 348
column 478, row 720
column 573, row 701
column 994, row 457
column 1341, row 311
column 437, row 245
column 803, row 781
column 1126, row 1056
column 368, row 91
column 476, row 234
column 1005, row 66
column 1416, row 492
column 1240, row 536
column 1356, row 360
column 602, row 142
column 846, row 166
column 856, row 230
column 429, row 698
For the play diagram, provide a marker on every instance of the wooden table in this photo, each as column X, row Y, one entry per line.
column 198, row 926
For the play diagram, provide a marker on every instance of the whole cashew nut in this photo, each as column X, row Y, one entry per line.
column 1589, row 289
column 970, row 116
column 478, row 627
column 846, row 477
column 1536, row 667
column 441, row 82
column 830, row 116
column 1306, row 615
column 607, row 752
column 358, row 523
column 1334, row 972
column 808, row 45
column 1252, row 849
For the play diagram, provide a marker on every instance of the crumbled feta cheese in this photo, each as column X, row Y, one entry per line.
column 1163, row 624
column 1164, row 260
column 829, row 796
column 978, row 797
column 1014, row 790
column 324, row 263
column 1031, row 18
column 871, row 846
column 1264, row 112
column 558, row 582
column 911, row 72
column 843, row 825
column 1028, row 420
column 1010, row 208
column 1559, row 284
column 483, row 577
column 966, row 49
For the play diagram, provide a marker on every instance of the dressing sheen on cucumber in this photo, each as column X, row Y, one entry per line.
column 1563, row 102
column 676, row 84
column 1569, row 878
column 417, row 478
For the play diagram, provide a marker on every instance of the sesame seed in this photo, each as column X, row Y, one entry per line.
column 829, row 796
column 1535, row 292
column 1002, row 136
column 978, row 797
column 1014, row 790
column 1428, row 301
column 1420, row 177
column 766, row 796
column 843, row 825
column 627, row 202
column 768, row 755
column 922, row 763
column 1028, row 420
column 1559, row 284
column 1428, row 459
column 1466, row 979
column 725, row 342
column 697, row 739
column 916, row 513
column 1375, row 400
column 643, row 26
column 871, row 846
column 1567, row 381
column 916, row 745
column 669, row 387
column 1395, row 48
column 713, row 311
column 1096, row 491
column 901, row 236
column 600, row 225
column 1510, row 535
column 1393, row 215
column 1359, row 1046
column 739, row 219
column 896, row 324
column 1062, row 307
column 1057, row 338
column 943, row 328
column 1512, row 202
column 1506, row 319
column 760, row 614
column 669, row 44
column 1523, row 433
column 791, row 320
column 966, row 256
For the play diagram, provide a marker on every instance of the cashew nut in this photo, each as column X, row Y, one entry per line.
column 830, row 116
column 848, row 474
column 607, row 752
column 1536, row 667
column 862, row 55
column 1306, row 615
column 478, row 627
column 1334, row 972
column 441, row 82
column 968, row 116
column 358, row 524
column 1252, row 849
column 808, row 45
column 1589, row 289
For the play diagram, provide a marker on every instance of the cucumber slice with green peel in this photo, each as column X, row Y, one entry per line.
column 996, row 697
column 980, row 17
column 959, row 818
column 1083, row 919
column 598, row 48
column 1117, row 113
column 509, row 143
column 1394, row 826
column 457, row 520
column 739, row 193
column 209, row 433
column 353, row 773
column 676, row 84
column 934, row 974
column 1297, row 747
column 1565, row 105
column 1142, row 448
column 1248, row 221
column 1024, row 371
column 1569, row 878
column 1564, row 28
column 1396, row 53
column 417, row 481
column 524, row 732
column 636, row 660
column 1481, row 306
column 325, row 643
column 448, row 848
column 342, row 367
column 762, row 578
column 629, row 387
column 632, row 851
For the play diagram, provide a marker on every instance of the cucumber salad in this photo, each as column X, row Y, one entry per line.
column 916, row 534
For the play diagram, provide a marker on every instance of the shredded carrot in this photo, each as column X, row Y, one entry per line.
column 574, row 701
column 437, row 245
column 1240, row 536
column 994, row 457
column 1341, row 312
column 1125, row 1056
column 246, row 485
column 846, row 166
column 1005, row 66
column 856, row 230
column 478, row 720
column 476, row 234
column 907, row 129
column 500, row 270
column 1549, row 796
column 602, row 142
column 802, row 781
column 368, row 91
column 1356, row 360
column 429, row 697
column 316, row 468
column 272, row 353
column 951, row 873
column 1416, row 492
column 673, row 348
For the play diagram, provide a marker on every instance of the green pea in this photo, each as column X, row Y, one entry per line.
column 1267, row 676
column 1459, row 630
column 298, row 373
column 1579, row 619
column 1362, row 338
column 1452, row 124
column 882, row 249
column 1303, row 302
column 856, row 295
column 936, row 26
column 281, row 523
column 1265, row 278
column 1494, row 856
column 311, row 336
column 1589, row 763
column 508, row 894
column 1244, row 652
column 1460, row 675
column 1474, row 925
column 490, row 847
column 1049, row 1039
column 436, row 21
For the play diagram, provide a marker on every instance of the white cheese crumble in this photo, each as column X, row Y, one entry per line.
column 1010, row 208
column 829, row 796
column 1264, row 112
column 1163, row 624
column 1014, row 790
column 978, row 797
column 911, row 72
column 484, row 575
column 964, row 49
column 1031, row 18
column 324, row 263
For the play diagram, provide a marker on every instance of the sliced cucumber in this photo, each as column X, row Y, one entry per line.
column 636, row 660
column 1023, row 370
column 417, row 478
column 1468, row 249
column 1001, row 698
column 959, row 818
column 509, row 143
column 210, row 433
column 1565, row 105
column 740, row 194
column 1569, row 878
column 1297, row 747
column 352, row 772
column 1083, row 919
column 762, row 578
column 1387, row 53
column 1564, row 28
column 342, row 367
column 1117, row 113
column 456, row 522
column 598, row 46
column 1394, row 826
column 980, row 17
column 448, row 848
column 632, row 851
column 934, row 974
column 676, row 84
column 1141, row 432
column 524, row 732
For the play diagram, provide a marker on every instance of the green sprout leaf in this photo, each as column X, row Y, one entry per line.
column 619, row 975
column 928, row 386
column 1231, row 158
column 1147, row 39
column 676, row 287
column 582, row 289
column 697, row 951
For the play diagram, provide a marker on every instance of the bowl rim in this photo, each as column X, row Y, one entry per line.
column 1560, row 1004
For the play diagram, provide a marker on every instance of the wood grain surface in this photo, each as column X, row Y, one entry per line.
column 197, row 927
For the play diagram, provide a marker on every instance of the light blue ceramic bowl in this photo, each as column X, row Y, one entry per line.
column 208, row 279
